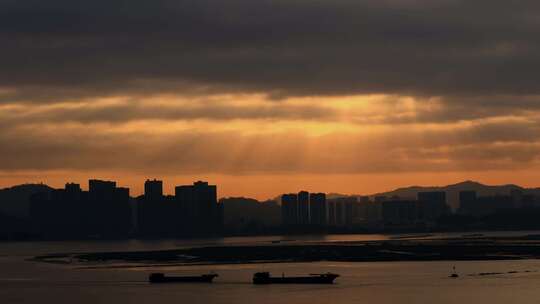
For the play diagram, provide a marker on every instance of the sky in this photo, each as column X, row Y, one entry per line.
column 264, row 97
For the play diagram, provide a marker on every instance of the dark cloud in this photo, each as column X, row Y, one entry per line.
column 65, row 49
column 135, row 111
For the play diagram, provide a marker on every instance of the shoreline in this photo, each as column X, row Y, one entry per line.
column 451, row 249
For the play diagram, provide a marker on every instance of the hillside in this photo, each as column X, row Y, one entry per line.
column 14, row 201
column 452, row 191
column 240, row 213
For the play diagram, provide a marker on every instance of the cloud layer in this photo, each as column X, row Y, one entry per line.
column 300, row 47
column 269, row 87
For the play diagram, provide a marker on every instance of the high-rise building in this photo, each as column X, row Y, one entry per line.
column 350, row 210
column 200, row 208
column 399, row 212
column 303, row 207
column 431, row 205
column 473, row 205
column 528, row 201
column 108, row 208
column 120, row 217
column 153, row 189
column 101, row 189
column 331, row 205
column 318, row 210
column 380, row 198
column 104, row 211
column 155, row 214
column 73, row 188
column 467, row 202
column 345, row 210
column 373, row 212
column 340, row 212
column 289, row 209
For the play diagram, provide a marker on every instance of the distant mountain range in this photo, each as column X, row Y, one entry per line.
column 452, row 191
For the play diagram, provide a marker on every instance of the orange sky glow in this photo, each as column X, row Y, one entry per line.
column 252, row 146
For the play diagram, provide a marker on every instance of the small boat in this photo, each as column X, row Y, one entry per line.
column 322, row 278
column 454, row 274
column 162, row 278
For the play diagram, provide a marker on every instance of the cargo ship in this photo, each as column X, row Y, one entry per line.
column 322, row 278
column 162, row 278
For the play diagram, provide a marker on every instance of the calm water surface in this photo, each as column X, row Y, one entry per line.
column 24, row 281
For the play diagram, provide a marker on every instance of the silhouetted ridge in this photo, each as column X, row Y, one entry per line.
column 452, row 191
column 14, row 201
column 247, row 215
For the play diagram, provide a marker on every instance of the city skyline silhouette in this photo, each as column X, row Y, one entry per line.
column 108, row 211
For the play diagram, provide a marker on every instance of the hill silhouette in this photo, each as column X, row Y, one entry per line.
column 452, row 191
column 245, row 214
column 15, row 201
